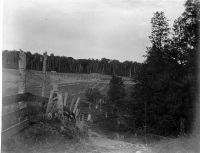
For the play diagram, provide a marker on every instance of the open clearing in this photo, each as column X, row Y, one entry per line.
column 74, row 84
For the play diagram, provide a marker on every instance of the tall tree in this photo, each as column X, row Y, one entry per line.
column 185, row 37
column 160, row 30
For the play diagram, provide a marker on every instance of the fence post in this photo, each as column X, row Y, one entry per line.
column 77, row 113
column 89, row 117
column 72, row 103
column 22, row 72
column 65, row 99
column 49, row 106
column 44, row 74
column 60, row 103
column 76, row 105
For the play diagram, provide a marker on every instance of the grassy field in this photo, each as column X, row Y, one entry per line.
column 67, row 82
column 75, row 85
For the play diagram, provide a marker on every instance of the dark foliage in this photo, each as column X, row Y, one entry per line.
column 166, row 81
column 116, row 92
column 93, row 94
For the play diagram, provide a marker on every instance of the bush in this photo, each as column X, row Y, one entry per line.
column 116, row 92
column 93, row 94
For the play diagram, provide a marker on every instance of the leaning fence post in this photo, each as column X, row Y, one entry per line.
column 65, row 99
column 72, row 103
column 76, row 104
column 77, row 113
column 44, row 74
column 22, row 72
column 60, row 102
column 50, row 103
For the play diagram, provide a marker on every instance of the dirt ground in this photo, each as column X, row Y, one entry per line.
column 93, row 142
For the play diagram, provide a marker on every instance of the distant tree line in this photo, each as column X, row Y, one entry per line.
column 71, row 65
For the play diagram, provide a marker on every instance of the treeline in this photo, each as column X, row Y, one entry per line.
column 71, row 65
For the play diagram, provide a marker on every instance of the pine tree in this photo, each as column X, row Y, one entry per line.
column 160, row 30
column 116, row 92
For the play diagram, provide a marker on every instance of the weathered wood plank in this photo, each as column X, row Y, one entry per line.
column 60, row 102
column 13, row 118
column 14, row 129
column 44, row 74
column 72, row 103
column 16, row 120
column 37, row 98
column 22, row 72
column 76, row 104
column 65, row 99
column 7, row 100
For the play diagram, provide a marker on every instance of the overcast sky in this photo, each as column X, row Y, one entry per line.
column 115, row 29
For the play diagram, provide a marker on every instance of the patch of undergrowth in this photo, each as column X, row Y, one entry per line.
column 45, row 137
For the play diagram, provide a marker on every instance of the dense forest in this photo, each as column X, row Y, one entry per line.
column 71, row 65
column 167, row 81
column 162, row 99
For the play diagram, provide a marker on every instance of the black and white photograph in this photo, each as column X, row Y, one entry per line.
column 100, row 76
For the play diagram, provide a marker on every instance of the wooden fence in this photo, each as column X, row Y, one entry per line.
column 15, row 112
column 14, row 107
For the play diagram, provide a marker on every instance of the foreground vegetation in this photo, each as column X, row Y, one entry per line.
column 46, row 137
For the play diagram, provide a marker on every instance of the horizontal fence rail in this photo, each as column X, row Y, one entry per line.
column 14, row 129
column 7, row 100
column 15, row 112
column 14, row 118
